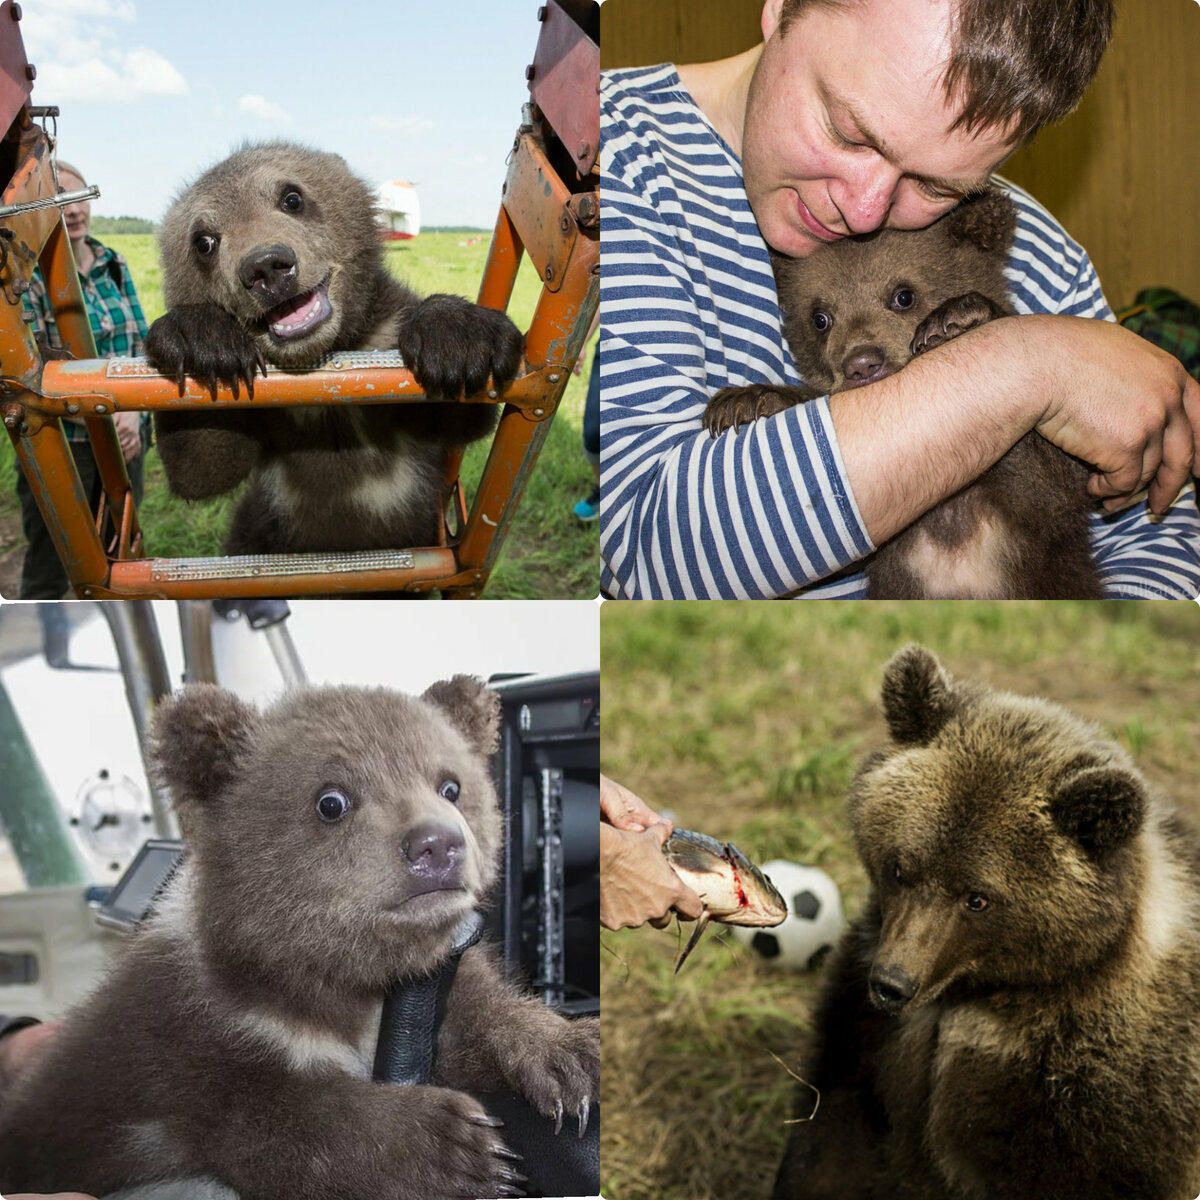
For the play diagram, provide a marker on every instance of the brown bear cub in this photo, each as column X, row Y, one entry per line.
column 274, row 256
column 856, row 311
column 335, row 843
column 1017, row 1012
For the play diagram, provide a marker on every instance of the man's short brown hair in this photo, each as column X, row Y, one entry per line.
column 1015, row 65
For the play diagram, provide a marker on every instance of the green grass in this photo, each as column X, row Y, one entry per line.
column 746, row 720
column 547, row 552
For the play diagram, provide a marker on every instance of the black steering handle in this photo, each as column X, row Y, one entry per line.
column 413, row 1011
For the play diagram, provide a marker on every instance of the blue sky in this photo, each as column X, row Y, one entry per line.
column 154, row 91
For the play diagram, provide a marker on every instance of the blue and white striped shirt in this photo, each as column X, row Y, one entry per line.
column 688, row 307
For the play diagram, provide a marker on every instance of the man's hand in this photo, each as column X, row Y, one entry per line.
column 129, row 433
column 625, row 810
column 1124, row 406
column 636, row 883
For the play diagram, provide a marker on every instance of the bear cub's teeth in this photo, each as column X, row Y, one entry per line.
column 298, row 316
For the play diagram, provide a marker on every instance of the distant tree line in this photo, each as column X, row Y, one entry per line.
column 102, row 225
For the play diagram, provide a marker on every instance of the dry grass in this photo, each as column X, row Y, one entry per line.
column 746, row 720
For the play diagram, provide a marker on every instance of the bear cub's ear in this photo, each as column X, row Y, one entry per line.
column 201, row 737
column 474, row 709
column 1101, row 808
column 987, row 221
column 917, row 697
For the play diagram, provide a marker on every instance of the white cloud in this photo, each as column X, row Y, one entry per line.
column 82, row 55
column 263, row 110
column 152, row 74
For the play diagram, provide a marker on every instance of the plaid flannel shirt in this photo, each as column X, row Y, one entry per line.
column 114, row 311
column 1168, row 320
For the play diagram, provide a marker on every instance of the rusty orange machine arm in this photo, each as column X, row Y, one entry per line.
column 549, row 212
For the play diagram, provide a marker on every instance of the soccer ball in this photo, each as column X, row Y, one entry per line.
column 813, row 924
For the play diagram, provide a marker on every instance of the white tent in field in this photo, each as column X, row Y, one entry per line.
column 399, row 209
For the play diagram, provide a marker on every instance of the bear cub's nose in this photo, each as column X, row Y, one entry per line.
column 269, row 272
column 864, row 364
column 891, row 988
column 434, row 851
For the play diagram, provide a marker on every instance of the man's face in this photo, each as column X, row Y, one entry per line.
column 848, row 128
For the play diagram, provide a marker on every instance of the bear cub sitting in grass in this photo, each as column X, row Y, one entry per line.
column 856, row 311
column 335, row 843
column 1017, row 1011
column 274, row 256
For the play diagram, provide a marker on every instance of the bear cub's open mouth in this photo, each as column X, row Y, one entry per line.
column 300, row 315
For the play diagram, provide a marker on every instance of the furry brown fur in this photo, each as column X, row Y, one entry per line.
column 858, row 310
column 1015, row 1013
column 273, row 256
column 234, row 1038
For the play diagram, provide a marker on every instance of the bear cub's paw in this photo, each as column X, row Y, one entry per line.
column 558, row 1071
column 952, row 318
column 733, row 407
column 452, row 346
column 445, row 1147
column 207, row 343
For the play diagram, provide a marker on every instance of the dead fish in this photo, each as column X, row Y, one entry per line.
column 732, row 889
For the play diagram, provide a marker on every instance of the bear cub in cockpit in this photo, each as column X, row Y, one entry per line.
column 335, row 843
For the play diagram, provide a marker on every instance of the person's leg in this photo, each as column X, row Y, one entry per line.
column 42, row 575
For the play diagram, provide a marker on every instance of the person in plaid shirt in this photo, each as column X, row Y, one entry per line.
column 119, row 327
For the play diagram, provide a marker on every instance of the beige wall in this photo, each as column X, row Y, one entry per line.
column 637, row 33
column 1122, row 174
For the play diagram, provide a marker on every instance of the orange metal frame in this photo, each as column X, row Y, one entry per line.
column 539, row 216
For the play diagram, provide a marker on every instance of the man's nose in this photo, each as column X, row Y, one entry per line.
column 864, row 194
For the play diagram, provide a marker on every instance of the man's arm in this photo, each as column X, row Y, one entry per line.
column 1096, row 390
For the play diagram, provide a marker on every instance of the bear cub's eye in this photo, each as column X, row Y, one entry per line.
column 903, row 298
column 332, row 805
column 976, row 901
column 204, row 244
column 822, row 321
column 291, row 201
column 448, row 789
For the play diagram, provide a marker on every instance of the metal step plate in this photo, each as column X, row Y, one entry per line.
column 258, row 566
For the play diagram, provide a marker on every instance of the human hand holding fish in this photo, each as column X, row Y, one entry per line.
column 636, row 882
column 625, row 809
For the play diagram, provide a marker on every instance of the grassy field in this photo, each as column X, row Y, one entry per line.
column 548, row 553
column 746, row 722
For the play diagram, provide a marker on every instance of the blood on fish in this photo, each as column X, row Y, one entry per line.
column 737, row 883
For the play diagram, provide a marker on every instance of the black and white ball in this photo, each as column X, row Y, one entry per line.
column 813, row 924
